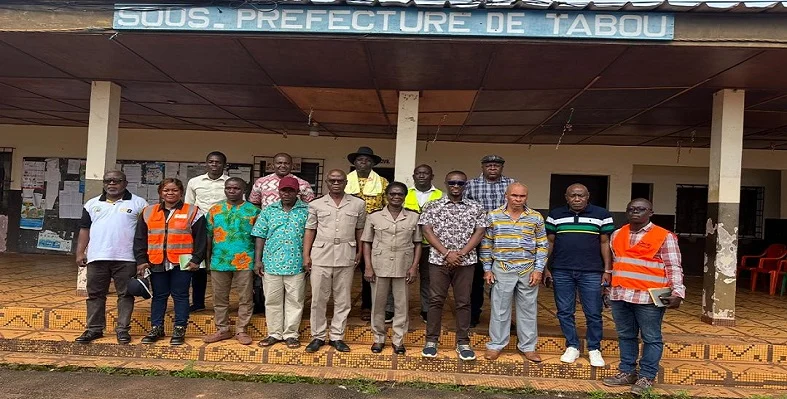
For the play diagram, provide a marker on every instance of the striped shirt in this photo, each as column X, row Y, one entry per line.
column 669, row 253
column 515, row 245
column 490, row 194
column 577, row 243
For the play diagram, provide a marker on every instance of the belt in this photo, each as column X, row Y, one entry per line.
column 337, row 241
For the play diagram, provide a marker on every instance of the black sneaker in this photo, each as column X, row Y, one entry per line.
column 423, row 316
column 155, row 333
column 196, row 308
column 178, row 335
column 123, row 337
column 315, row 345
column 89, row 336
column 339, row 345
column 389, row 317
column 620, row 379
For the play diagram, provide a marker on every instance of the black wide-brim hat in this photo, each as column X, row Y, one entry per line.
column 364, row 151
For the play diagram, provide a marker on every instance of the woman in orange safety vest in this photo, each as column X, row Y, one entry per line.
column 170, row 242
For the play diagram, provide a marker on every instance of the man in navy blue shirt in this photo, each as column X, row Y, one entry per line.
column 581, row 260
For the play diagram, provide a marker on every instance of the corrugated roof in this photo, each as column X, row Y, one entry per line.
column 710, row 6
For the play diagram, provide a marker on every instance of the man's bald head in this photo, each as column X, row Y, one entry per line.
column 516, row 197
column 577, row 197
column 515, row 185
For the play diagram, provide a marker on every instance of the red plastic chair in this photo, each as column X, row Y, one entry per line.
column 781, row 271
column 768, row 263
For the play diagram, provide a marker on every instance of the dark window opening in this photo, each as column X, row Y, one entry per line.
column 311, row 171
column 597, row 186
column 6, row 156
column 642, row 190
column 691, row 211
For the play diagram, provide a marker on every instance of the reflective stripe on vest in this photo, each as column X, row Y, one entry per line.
column 169, row 235
column 636, row 266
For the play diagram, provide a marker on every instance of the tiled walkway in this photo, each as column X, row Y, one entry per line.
column 40, row 315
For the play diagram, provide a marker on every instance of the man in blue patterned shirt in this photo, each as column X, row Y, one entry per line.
column 514, row 253
column 279, row 230
column 489, row 190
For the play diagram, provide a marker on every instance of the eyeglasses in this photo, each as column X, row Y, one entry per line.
column 459, row 183
column 114, row 181
column 637, row 209
column 336, row 181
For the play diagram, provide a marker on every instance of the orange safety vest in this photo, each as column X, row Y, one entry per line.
column 172, row 236
column 636, row 267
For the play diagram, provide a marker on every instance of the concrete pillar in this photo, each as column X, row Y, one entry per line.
column 724, row 191
column 406, row 137
column 620, row 194
column 102, row 135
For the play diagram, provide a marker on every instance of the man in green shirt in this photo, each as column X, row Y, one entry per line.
column 231, row 257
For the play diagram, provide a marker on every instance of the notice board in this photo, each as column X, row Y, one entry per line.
column 53, row 196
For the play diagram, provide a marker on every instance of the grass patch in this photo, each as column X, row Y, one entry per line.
column 598, row 394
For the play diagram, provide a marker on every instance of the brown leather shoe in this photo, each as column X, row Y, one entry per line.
column 491, row 354
column 533, row 357
column 217, row 336
column 243, row 338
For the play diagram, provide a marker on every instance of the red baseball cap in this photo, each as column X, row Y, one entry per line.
column 289, row 182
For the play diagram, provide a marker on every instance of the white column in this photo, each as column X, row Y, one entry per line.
column 102, row 135
column 406, row 137
column 724, row 190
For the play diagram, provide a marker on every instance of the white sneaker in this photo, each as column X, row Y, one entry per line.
column 570, row 356
column 595, row 358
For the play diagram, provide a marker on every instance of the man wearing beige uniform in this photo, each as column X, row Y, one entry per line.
column 331, row 251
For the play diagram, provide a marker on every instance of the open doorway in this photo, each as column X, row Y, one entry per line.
column 597, row 185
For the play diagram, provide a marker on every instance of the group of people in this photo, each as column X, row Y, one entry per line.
column 477, row 232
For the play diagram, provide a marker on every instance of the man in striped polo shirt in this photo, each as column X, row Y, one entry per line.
column 581, row 260
column 513, row 253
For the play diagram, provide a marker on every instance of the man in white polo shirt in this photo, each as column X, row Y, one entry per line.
column 204, row 191
column 108, row 224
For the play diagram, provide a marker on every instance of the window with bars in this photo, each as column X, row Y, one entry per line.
column 311, row 171
column 691, row 211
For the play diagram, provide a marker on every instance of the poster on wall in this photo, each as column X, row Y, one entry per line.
column 52, row 241
column 33, row 174
column 32, row 210
column 154, row 173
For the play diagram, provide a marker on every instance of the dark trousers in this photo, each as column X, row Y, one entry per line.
column 566, row 284
column 98, row 275
column 199, row 283
column 366, row 290
column 423, row 270
column 176, row 283
column 634, row 320
column 440, row 278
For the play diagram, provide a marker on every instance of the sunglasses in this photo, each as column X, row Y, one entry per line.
column 114, row 181
column 459, row 183
column 637, row 209
column 336, row 181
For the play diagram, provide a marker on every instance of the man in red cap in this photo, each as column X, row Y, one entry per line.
column 278, row 259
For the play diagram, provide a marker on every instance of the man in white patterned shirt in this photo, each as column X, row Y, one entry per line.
column 266, row 189
column 645, row 257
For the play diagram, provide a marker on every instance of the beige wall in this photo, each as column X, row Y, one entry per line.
column 531, row 165
column 665, row 178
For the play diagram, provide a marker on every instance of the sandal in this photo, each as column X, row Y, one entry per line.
column 293, row 343
column 268, row 342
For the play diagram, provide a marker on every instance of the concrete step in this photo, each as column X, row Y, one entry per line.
column 511, row 363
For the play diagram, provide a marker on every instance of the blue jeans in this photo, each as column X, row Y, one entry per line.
column 567, row 283
column 632, row 320
column 175, row 282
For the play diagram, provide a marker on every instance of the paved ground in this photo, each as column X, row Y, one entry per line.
column 80, row 385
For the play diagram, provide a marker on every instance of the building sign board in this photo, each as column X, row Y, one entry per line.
column 510, row 23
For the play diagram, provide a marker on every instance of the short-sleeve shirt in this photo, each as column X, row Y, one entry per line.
column 112, row 227
column 392, row 241
column 334, row 245
column 265, row 190
column 229, row 230
column 490, row 194
column 453, row 223
column 283, row 233
column 205, row 192
column 577, row 243
column 373, row 202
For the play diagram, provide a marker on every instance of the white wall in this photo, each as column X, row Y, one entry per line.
column 530, row 165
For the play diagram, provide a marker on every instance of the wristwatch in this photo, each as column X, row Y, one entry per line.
column 608, row 271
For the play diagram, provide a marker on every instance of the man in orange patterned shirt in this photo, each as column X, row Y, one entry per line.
column 231, row 258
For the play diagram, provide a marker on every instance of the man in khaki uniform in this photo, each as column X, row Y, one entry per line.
column 331, row 251
column 392, row 251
